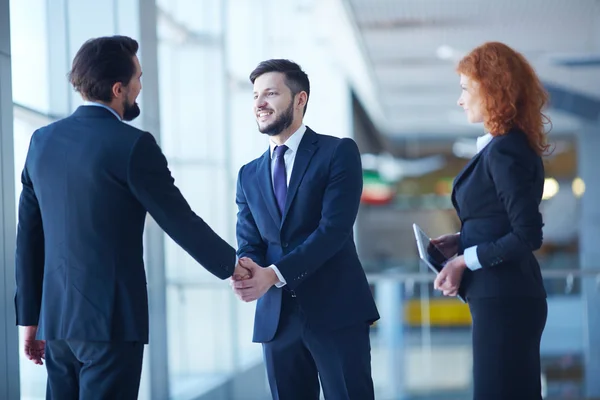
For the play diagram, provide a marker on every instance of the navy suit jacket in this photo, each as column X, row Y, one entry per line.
column 88, row 182
column 312, row 243
column 497, row 198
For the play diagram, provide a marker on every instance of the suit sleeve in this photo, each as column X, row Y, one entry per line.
column 514, row 173
column 29, row 257
column 250, row 243
column 341, row 200
column 151, row 182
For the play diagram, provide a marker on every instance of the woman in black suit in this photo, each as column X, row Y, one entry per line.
column 497, row 197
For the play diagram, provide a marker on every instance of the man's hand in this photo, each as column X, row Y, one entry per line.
column 35, row 350
column 448, row 280
column 240, row 273
column 254, row 288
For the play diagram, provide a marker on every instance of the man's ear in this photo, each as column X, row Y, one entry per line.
column 301, row 99
column 117, row 90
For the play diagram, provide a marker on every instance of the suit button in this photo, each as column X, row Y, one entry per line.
column 284, row 245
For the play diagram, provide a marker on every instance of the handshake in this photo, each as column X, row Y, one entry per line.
column 250, row 281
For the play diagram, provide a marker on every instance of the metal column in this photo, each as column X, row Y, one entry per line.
column 9, row 337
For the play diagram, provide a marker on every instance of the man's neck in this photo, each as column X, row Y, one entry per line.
column 286, row 133
column 110, row 105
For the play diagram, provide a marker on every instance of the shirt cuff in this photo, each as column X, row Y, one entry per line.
column 471, row 258
column 282, row 281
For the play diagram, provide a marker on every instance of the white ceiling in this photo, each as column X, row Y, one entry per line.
column 418, row 89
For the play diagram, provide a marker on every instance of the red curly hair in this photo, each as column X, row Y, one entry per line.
column 511, row 92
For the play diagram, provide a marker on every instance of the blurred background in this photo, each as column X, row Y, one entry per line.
column 381, row 72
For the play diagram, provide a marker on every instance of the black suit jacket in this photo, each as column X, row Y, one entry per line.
column 312, row 243
column 88, row 182
column 497, row 197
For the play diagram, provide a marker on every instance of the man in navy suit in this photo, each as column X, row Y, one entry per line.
column 88, row 182
column 297, row 206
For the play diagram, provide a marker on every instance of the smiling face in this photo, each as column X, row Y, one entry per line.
column 274, row 104
column 470, row 99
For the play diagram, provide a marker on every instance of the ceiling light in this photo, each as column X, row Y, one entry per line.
column 578, row 187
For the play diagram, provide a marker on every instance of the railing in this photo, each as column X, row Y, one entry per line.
column 421, row 333
column 426, row 276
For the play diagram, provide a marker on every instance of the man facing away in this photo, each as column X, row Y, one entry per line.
column 297, row 206
column 88, row 182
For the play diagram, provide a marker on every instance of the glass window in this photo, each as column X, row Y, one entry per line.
column 29, row 53
column 33, row 377
column 196, row 125
column 31, row 48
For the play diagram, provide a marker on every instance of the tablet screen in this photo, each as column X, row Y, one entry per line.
column 434, row 254
column 431, row 254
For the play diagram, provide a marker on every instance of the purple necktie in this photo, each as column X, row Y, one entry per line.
column 279, row 177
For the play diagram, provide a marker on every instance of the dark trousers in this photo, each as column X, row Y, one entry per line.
column 298, row 356
column 506, row 347
column 93, row 370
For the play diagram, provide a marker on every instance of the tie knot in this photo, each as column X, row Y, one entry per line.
column 280, row 150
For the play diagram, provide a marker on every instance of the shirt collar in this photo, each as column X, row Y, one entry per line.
column 93, row 103
column 293, row 141
column 483, row 141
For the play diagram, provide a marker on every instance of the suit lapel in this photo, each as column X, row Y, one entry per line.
column 306, row 150
column 466, row 169
column 464, row 173
column 265, row 184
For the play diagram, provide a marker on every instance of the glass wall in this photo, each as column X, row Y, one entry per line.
column 45, row 34
column 205, row 52
column 29, row 48
column 200, row 308
column 31, row 92
column 25, row 123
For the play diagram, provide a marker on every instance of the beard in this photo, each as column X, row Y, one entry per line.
column 284, row 121
column 130, row 111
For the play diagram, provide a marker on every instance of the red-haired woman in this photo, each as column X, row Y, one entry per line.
column 497, row 197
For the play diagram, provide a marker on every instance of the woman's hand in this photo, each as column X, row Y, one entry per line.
column 448, row 280
column 447, row 244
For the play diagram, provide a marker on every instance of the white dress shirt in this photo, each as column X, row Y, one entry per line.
column 292, row 144
column 470, row 254
column 483, row 141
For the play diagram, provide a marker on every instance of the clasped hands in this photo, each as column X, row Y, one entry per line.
column 250, row 281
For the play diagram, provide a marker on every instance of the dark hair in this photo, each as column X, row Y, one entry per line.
column 295, row 78
column 102, row 62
